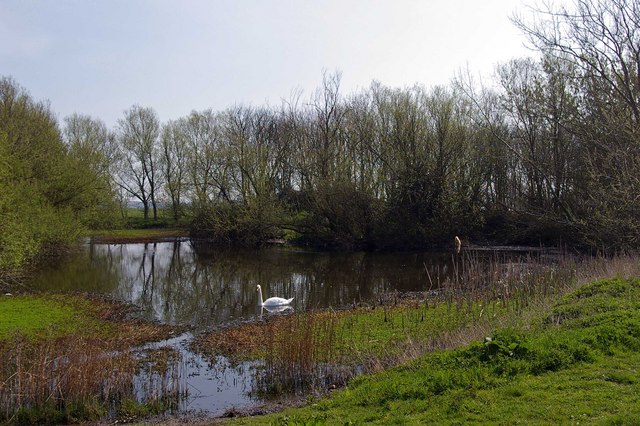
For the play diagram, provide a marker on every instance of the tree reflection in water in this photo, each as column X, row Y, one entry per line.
column 193, row 283
column 196, row 284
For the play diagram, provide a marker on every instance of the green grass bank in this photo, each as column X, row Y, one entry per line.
column 576, row 361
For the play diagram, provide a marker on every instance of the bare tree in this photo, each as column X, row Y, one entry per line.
column 138, row 134
column 207, row 165
column 174, row 163
column 329, row 113
column 601, row 39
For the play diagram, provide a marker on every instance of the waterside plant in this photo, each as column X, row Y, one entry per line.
column 67, row 358
column 315, row 351
column 570, row 358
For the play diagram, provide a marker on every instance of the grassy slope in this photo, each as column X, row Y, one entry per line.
column 35, row 315
column 43, row 316
column 579, row 362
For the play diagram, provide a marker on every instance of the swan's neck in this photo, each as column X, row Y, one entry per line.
column 260, row 297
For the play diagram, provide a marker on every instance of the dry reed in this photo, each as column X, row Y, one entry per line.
column 300, row 354
column 79, row 377
column 161, row 377
column 60, row 373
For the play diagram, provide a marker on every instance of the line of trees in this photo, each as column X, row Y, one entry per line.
column 549, row 152
column 51, row 182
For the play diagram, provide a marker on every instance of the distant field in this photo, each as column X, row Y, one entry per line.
column 138, row 235
column 138, row 229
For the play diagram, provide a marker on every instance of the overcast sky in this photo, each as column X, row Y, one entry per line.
column 100, row 57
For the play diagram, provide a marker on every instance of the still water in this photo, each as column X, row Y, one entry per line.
column 191, row 283
column 195, row 284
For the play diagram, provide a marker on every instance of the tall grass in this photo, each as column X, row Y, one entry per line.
column 58, row 376
column 71, row 378
column 300, row 354
column 514, row 281
column 161, row 377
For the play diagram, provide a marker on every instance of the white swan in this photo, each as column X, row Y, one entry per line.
column 272, row 301
column 276, row 309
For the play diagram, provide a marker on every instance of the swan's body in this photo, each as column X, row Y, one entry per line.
column 272, row 301
column 276, row 309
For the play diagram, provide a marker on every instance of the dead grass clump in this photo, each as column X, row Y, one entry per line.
column 253, row 340
column 136, row 332
column 122, row 324
column 240, row 342
column 72, row 379
column 160, row 377
column 515, row 281
column 622, row 266
column 60, row 375
column 298, row 351
column 84, row 372
column 300, row 354
column 159, row 360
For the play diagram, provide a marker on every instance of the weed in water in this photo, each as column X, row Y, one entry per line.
column 80, row 366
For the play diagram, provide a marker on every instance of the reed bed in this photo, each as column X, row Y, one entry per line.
column 511, row 281
column 67, row 379
column 301, row 353
column 316, row 351
column 77, row 379
column 80, row 373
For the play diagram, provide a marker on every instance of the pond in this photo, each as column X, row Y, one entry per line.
column 192, row 283
column 195, row 284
